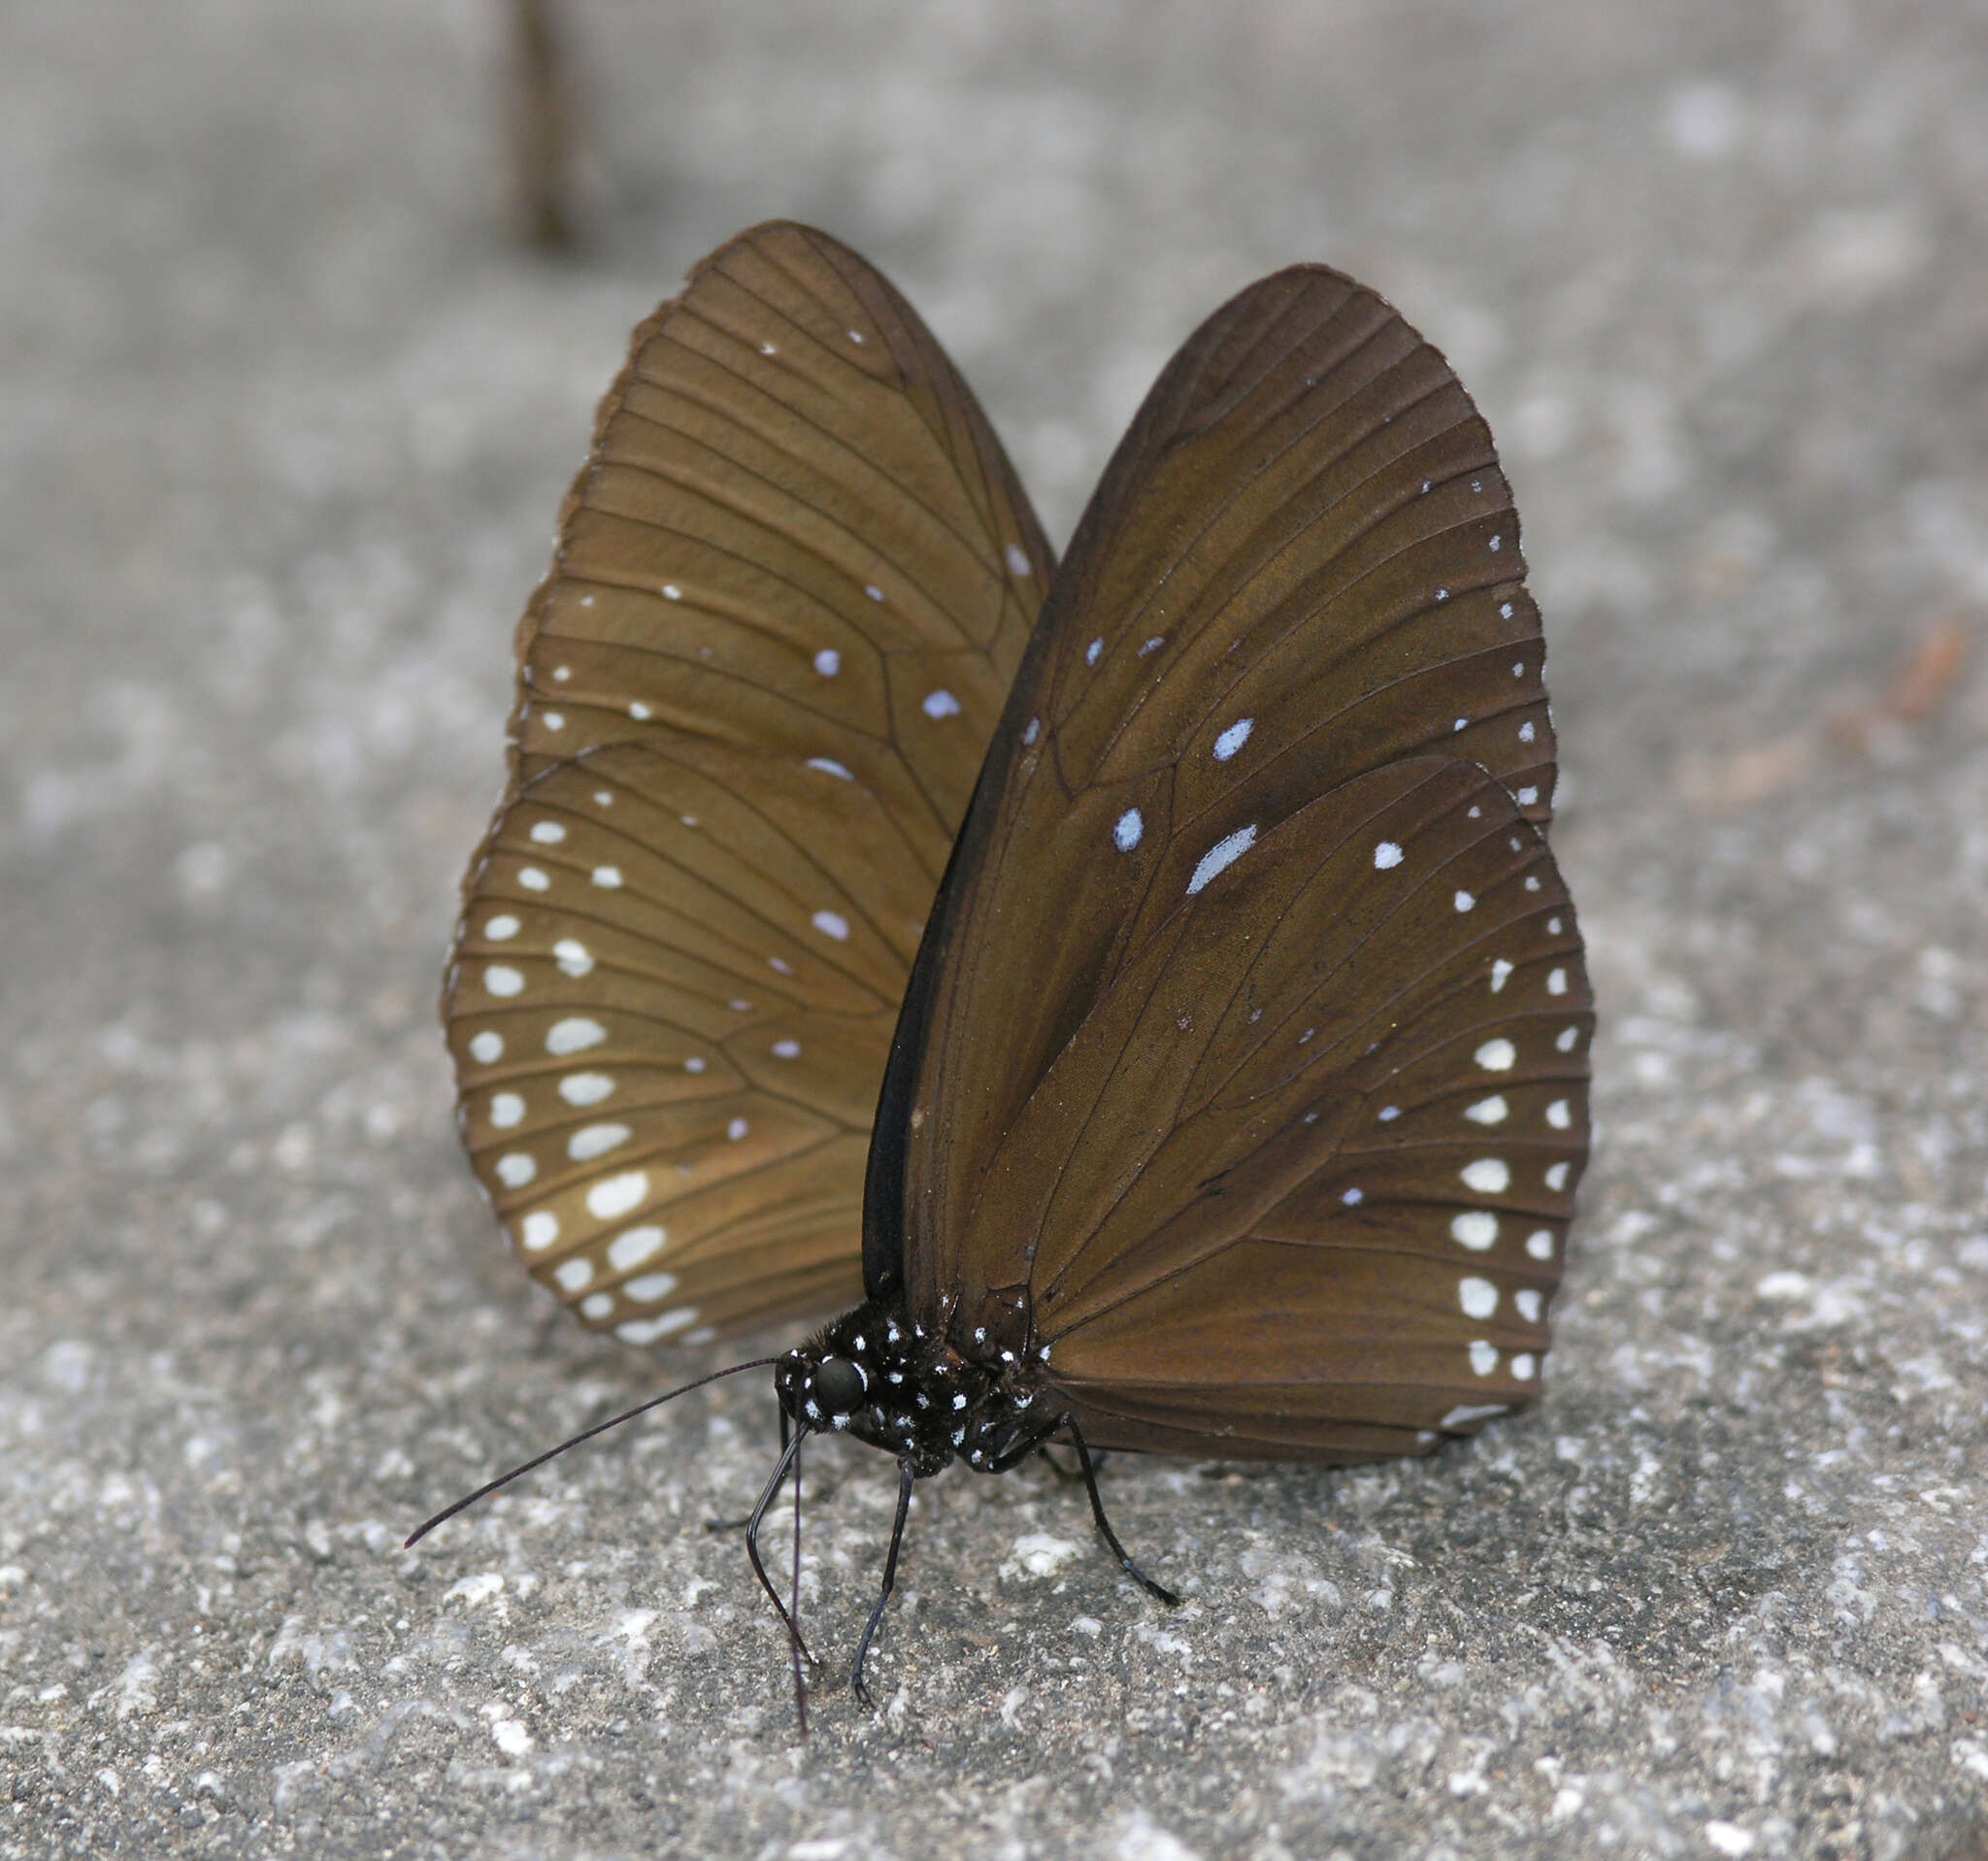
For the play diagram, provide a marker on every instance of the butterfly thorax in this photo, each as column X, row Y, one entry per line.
column 876, row 1376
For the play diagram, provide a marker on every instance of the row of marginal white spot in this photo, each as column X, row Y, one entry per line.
column 1478, row 1229
column 574, row 960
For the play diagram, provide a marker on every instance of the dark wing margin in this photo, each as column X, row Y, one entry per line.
column 791, row 586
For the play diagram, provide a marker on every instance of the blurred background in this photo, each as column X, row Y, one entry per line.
column 304, row 308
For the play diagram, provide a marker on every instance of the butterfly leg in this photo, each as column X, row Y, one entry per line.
column 897, row 1538
column 740, row 1524
column 753, row 1524
column 1069, row 1475
column 1090, row 1480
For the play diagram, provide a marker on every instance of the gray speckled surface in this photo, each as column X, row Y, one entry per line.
column 284, row 426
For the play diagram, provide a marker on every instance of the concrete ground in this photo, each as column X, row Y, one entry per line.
column 287, row 418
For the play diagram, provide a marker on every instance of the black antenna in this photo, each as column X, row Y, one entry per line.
column 588, row 1434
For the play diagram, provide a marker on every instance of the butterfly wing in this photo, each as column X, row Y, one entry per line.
column 792, row 585
column 1300, row 578
column 1301, row 1180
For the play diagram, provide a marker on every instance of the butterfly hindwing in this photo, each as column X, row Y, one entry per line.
column 791, row 586
column 1354, row 1167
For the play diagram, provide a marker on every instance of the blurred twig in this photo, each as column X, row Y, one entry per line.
column 543, row 147
column 1926, row 678
column 1919, row 687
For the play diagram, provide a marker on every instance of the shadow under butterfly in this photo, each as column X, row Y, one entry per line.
column 1143, row 987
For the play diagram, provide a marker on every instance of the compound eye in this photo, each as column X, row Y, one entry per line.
column 839, row 1386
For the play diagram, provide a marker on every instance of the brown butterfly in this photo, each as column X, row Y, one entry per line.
column 1143, row 985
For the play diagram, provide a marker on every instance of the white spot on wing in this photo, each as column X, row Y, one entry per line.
column 1487, row 1175
column 586, row 1088
column 1091, row 651
column 627, row 1251
column 641, row 1331
column 737, row 1129
column 532, row 879
column 548, row 833
column 1489, row 1111
column 1556, row 1178
column 539, row 1229
column 1522, row 1367
column 1539, row 1243
column 486, row 1048
column 1464, row 901
column 1497, row 1056
column 607, row 878
column 1558, row 1116
column 515, row 1170
column 501, row 928
column 596, row 1139
column 500, row 978
column 616, row 1195
column 650, row 1285
column 507, row 1109
column 831, row 924
column 1472, row 1412
column 1386, row 856
column 575, row 1033
column 1500, row 970
column 1234, row 738
column 1475, row 1229
column 1556, row 982
column 1527, row 1303
column 1478, row 1297
column 573, row 1275
column 828, row 662
column 829, row 767
column 1130, row 828
column 1219, row 858
column 573, row 956
column 1483, row 1357
column 941, row 704
column 1017, row 560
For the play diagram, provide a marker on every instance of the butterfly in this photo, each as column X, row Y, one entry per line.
column 1141, row 990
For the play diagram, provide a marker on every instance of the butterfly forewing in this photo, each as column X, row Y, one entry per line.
column 1301, row 564
column 796, row 531
column 1257, row 857
column 792, row 584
